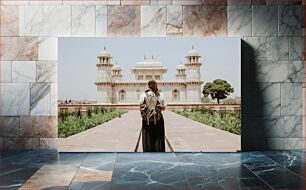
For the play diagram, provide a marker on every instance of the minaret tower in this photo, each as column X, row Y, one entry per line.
column 116, row 73
column 104, row 66
column 193, row 71
column 181, row 73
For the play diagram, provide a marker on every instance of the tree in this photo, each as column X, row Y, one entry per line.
column 218, row 89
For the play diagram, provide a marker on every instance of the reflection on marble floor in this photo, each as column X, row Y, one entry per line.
column 247, row 170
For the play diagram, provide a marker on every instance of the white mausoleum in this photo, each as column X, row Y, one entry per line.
column 185, row 90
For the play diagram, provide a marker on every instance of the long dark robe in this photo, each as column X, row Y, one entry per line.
column 153, row 136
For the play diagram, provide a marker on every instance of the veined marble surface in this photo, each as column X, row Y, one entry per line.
column 9, row 21
column 6, row 71
column 47, row 71
column 40, row 99
column 83, row 20
column 296, row 48
column 153, row 20
column 294, row 127
column 101, row 20
column 292, row 99
column 175, row 20
column 239, row 20
column 278, row 48
column 290, row 20
column 48, row 48
column 265, row 19
column 23, row 71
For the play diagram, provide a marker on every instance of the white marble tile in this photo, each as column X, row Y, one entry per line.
column 47, row 71
column 40, row 100
column 161, row 2
column 48, row 48
column 83, row 20
column 294, row 143
column 101, row 20
column 16, row 2
column 54, row 99
column 175, row 20
column 184, row 2
column 296, row 48
column 9, row 21
column 153, row 20
column 73, row 2
column 6, row 71
column 239, row 22
column 23, row 71
column 258, row 46
column 291, row 20
column 102, row 2
column 293, row 127
column 21, row 20
column 46, row 2
column 15, row 99
column 47, row 20
column 291, row 99
column 278, row 48
column 265, row 20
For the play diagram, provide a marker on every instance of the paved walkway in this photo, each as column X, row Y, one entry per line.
column 121, row 135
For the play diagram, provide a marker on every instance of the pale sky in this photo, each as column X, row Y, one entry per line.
column 221, row 58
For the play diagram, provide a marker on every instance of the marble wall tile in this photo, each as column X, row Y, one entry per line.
column 6, row 71
column 73, row 2
column 40, row 99
column 153, row 20
column 291, row 98
column 102, row 2
column 278, row 48
column 291, row 20
column 135, row 2
column 48, row 144
column 23, row 71
column 257, row 49
column 161, row 2
column 10, row 143
column 294, row 143
column 54, row 99
column 47, row 71
column 239, row 21
column 18, row 48
column 48, row 48
column 46, row 2
column 205, row 20
column 101, row 20
column 9, row 21
column 184, row 2
column 38, row 126
column 265, row 19
column 174, row 20
column 125, row 23
column 83, row 20
column 263, row 100
column 293, row 127
column 47, row 20
column 15, row 99
column 296, row 45
column 275, row 143
column 9, row 127
column 15, row 2
column 214, row 2
column 239, row 2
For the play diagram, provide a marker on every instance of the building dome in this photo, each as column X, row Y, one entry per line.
column 193, row 53
column 181, row 67
column 116, row 67
column 104, row 53
column 147, row 63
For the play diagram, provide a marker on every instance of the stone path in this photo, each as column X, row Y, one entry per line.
column 121, row 135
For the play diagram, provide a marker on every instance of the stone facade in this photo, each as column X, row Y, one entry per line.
column 112, row 90
column 272, row 59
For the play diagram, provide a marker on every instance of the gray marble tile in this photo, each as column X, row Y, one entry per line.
column 161, row 2
column 9, row 21
column 6, row 71
column 49, row 20
column 293, row 127
column 295, row 71
column 205, row 20
column 17, row 2
column 239, row 21
column 291, row 20
column 175, row 20
column 48, row 144
column 294, row 143
column 258, row 46
column 278, row 48
column 239, row 2
column 184, row 2
column 19, row 48
column 40, row 99
column 9, row 127
column 54, row 99
column 73, row 2
column 153, row 20
column 48, row 48
column 291, row 99
column 101, row 20
column 296, row 45
column 15, row 99
column 272, row 71
column 47, row 71
column 23, row 71
column 265, row 19
column 83, row 20
column 263, row 99
column 46, row 2
column 135, row 2
column 123, row 20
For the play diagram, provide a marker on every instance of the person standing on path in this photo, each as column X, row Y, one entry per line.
column 152, row 104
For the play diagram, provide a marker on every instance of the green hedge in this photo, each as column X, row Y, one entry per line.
column 74, row 124
column 229, row 121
